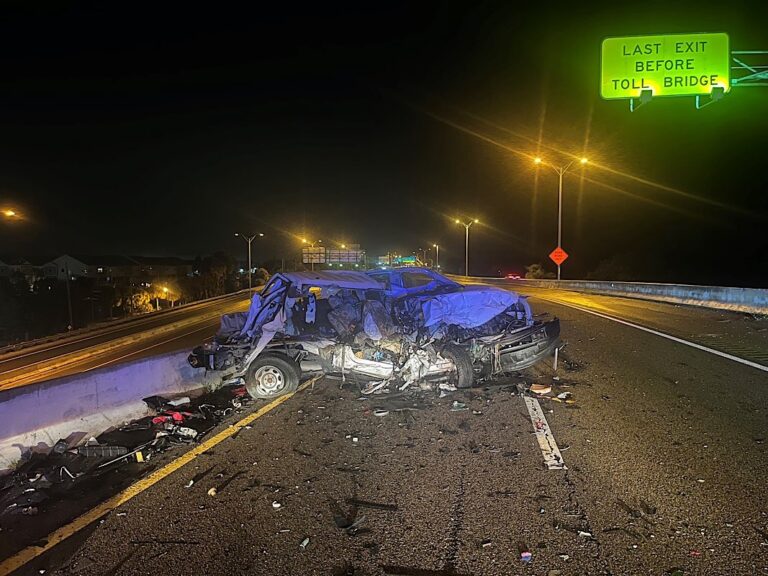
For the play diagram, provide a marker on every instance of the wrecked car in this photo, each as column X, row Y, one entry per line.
column 385, row 329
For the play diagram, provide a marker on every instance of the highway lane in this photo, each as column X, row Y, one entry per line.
column 177, row 330
column 665, row 448
column 742, row 335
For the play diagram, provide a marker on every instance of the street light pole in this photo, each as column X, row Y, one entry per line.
column 437, row 255
column 70, row 326
column 249, row 239
column 561, row 170
column 467, row 226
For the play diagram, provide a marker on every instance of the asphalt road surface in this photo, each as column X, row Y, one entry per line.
column 181, row 329
column 665, row 448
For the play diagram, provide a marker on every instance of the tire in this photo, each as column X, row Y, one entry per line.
column 272, row 375
column 465, row 375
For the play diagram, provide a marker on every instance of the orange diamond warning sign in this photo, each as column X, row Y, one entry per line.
column 558, row 255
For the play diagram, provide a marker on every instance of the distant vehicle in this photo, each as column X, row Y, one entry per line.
column 385, row 330
column 512, row 276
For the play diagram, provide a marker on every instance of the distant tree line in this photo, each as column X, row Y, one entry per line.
column 34, row 308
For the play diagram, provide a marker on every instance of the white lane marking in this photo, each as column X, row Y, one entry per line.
column 664, row 335
column 552, row 457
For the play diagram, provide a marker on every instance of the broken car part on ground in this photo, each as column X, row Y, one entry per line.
column 386, row 330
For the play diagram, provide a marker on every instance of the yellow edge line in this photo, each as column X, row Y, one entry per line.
column 58, row 536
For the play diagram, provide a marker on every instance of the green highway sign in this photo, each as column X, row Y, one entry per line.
column 667, row 65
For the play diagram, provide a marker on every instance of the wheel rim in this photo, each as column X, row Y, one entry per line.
column 269, row 380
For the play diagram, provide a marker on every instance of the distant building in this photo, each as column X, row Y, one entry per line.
column 162, row 266
column 106, row 268
column 110, row 268
column 10, row 265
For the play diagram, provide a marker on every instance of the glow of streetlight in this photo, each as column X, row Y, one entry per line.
column 583, row 160
column 303, row 240
column 343, row 245
column 457, row 221
column 476, row 220
column 537, row 160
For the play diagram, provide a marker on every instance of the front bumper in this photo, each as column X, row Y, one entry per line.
column 527, row 347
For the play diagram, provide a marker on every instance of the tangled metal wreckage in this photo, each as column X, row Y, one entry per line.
column 386, row 330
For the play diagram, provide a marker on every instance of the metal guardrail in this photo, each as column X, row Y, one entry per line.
column 748, row 300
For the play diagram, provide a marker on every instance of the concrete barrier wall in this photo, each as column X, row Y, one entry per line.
column 750, row 300
column 77, row 407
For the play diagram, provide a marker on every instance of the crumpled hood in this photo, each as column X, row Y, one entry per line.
column 470, row 307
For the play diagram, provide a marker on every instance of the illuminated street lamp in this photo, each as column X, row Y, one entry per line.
column 561, row 170
column 249, row 239
column 157, row 298
column 467, row 225
column 9, row 213
column 437, row 254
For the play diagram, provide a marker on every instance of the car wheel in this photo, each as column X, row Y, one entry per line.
column 464, row 376
column 270, row 376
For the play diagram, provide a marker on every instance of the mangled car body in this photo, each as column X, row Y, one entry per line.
column 386, row 330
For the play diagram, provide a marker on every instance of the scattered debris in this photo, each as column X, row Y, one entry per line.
column 212, row 491
column 276, row 504
column 540, row 389
column 101, row 451
column 40, row 476
column 458, row 406
column 304, row 543
column 375, row 505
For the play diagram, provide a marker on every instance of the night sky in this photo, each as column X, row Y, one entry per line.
column 128, row 128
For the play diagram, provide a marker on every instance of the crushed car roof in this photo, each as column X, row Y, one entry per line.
column 340, row 278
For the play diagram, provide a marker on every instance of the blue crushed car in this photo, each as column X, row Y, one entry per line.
column 386, row 330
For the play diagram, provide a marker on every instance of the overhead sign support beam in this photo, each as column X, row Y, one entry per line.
column 758, row 73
